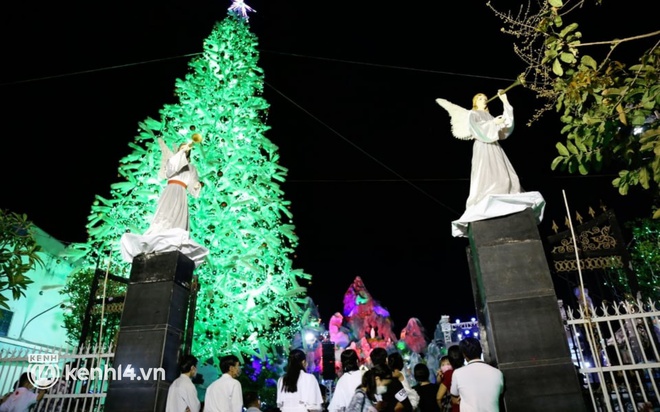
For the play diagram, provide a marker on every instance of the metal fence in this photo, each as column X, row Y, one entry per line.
column 83, row 376
column 616, row 349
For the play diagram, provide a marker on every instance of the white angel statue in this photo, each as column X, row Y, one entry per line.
column 172, row 210
column 169, row 229
column 492, row 174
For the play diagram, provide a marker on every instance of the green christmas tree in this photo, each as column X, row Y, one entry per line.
column 250, row 300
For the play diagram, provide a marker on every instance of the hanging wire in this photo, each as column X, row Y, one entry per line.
column 102, row 69
column 352, row 62
column 369, row 155
column 307, row 112
column 389, row 66
column 189, row 55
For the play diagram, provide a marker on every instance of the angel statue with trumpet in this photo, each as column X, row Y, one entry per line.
column 169, row 229
column 495, row 188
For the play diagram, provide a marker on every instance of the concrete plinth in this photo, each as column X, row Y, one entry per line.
column 151, row 332
column 522, row 332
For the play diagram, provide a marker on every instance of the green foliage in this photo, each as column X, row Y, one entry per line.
column 250, row 300
column 78, row 289
column 645, row 256
column 18, row 254
column 644, row 260
column 610, row 109
column 609, row 119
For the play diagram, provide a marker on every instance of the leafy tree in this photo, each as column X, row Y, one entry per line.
column 78, row 289
column 610, row 109
column 18, row 254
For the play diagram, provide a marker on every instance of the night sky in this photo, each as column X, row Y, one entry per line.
column 375, row 177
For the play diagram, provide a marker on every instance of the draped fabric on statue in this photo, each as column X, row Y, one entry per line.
column 169, row 230
column 495, row 188
column 492, row 172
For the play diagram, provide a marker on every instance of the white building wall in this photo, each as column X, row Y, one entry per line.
column 38, row 317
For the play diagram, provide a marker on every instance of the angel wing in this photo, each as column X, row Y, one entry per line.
column 460, row 126
column 166, row 154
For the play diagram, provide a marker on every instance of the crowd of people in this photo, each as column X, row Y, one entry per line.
column 464, row 382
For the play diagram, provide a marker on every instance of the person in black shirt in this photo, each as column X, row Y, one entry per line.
column 395, row 398
column 427, row 391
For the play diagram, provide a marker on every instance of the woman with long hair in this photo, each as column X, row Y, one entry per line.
column 297, row 390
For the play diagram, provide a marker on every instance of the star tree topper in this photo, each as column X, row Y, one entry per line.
column 242, row 8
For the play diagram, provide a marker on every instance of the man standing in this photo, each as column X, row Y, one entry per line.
column 477, row 386
column 226, row 393
column 182, row 395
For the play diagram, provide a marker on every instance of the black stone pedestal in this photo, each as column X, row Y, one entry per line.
column 522, row 332
column 151, row 332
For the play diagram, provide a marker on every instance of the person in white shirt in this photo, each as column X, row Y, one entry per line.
column 349, row 381
column 297, row 390
column 182, row 394
column 226, row 393
column 23, row 397
column 477, row 386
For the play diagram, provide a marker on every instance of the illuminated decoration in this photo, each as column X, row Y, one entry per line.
column 250, row 301
column 414, row 336
column 369, row 322
column 448, row 333
column 261, row 376
column 240, row 7
column 644, row 260
column 337, row 332
column 309, row 336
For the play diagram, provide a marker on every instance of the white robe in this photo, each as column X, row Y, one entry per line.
column 492, row 172
column 172, row 210
column 494, row 185
column 169, row 230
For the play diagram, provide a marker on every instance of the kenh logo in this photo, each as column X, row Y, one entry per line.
column 43, row 370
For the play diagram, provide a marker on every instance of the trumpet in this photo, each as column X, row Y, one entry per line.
column 196, row 138
column 518, row 82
